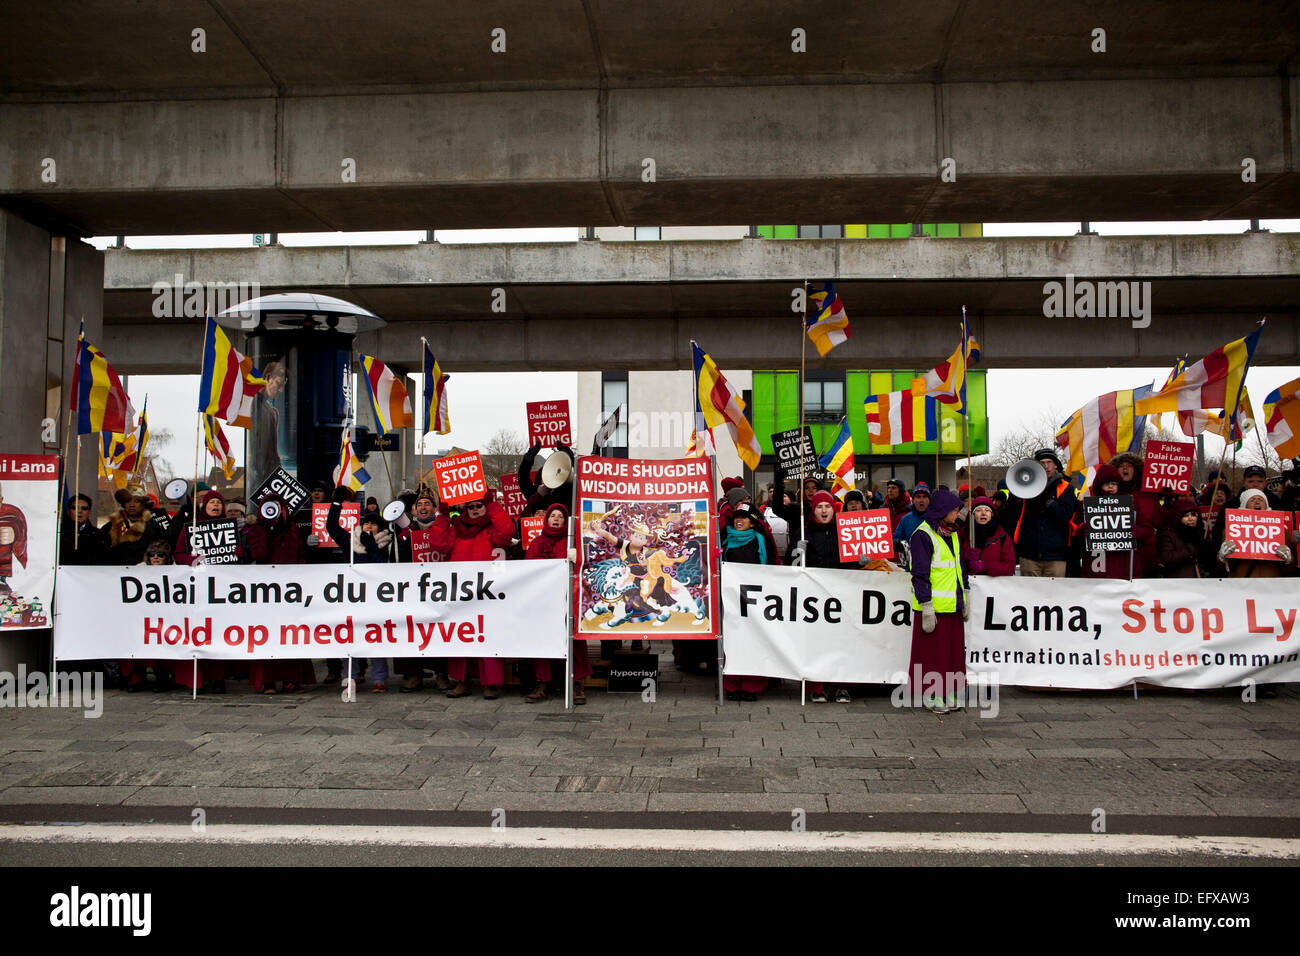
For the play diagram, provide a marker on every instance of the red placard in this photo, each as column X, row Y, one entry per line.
column 460, row 478
column 1167, row 464
column 1256, row 533
column 348, row 519
column 864, row 534
column 514, row 499
column 548, row 423
column 422, row 546
column 530, row 528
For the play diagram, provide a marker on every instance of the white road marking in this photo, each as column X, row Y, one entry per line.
column 569, row 838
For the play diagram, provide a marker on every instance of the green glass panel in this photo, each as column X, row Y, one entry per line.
column 878, row 230
column 787, row 232
column 855, row 232
column 764, row 231
column 927, row 229
column 763, row 408
column 949, row 230
column 787, row 401
column 900, row 230
column 857, row 386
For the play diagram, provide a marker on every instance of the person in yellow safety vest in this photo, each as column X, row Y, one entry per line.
column 940, row 605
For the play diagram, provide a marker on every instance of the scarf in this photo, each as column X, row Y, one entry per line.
column 738, row 539
column 983, row 532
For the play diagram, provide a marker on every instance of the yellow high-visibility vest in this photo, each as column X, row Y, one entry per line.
column 945, row 575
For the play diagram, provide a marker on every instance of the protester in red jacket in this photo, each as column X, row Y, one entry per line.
column 1151, row 516
column 480, row 530
column 898, row 501
column 277, row 540
column 1115, row 565
column 553, row 542
column 212, row 673
column 992, row 554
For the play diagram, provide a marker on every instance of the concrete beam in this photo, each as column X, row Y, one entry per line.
column 593, row 305
column 1048, row 150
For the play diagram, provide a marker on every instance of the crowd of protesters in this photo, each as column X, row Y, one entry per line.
column 942, row 538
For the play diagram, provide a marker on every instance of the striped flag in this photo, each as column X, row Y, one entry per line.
column 1282, row 419
column 826, row 321
column 218, row 446
column 229, row 380
column 350, row 474
column 436, row 418
column 700, row 446
column 387, row 396
column 897, row 417
column 838, row 460
column 1215, row 381
column 97, row 395
column 717, row 403
column 1103, row 428
column 947, row 382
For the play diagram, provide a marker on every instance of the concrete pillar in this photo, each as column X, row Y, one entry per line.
column 48, row 282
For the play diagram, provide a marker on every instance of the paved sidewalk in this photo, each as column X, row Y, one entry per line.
column 1198, row 755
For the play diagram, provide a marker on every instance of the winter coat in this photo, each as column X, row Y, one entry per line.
column 1183, row 558
column 371, row 549
column 823, row 547
column 1040, row 526
column 280, row 543
column 91, row 544
column 461, row 541
column 996, row 559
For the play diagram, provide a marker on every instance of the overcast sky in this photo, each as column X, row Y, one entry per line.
column 482, row 403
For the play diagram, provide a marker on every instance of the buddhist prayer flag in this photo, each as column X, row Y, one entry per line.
column 826, row 321
column 897, row 417
column 1102, row 429
column 97, row 395
column 387, row 396
column 1215, row 381
column 436, row 417
column 229, row 380
column 838, row 460
column 218, row 446
column 351, row 474
column 1282, row 419
column 717, row 403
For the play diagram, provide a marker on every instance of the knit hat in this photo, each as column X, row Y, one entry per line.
column 1104, row 474
column 983, row 501
column 742, row 511
column 854, row 495
column 943, row 502
column 1182, row 506
column 1250, row 493
column 376, row 518
column 730, row 483
column 1047, row 454
column 921, row 489
column 902, row 486
column 736, row 495
column 822, row 498
column 1254, row 471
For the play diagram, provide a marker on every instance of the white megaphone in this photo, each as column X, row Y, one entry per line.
column 176, row 489
column 557, row 470
column 395, row 514
column 269, row 510
column 1026, row 478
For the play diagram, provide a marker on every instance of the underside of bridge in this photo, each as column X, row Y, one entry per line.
column 629, row 305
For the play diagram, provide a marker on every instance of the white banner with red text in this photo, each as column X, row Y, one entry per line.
column 260, row 612
column 856, row 627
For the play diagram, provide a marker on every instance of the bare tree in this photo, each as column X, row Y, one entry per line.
column 505, row 442
column 501, row 455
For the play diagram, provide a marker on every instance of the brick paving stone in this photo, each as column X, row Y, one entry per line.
column 625, row 801
column 210, row 798
column 1085, row 804
column 544, row 784
column 96, row 796
column 751, row 784
column 925, row 803
column 738, row 802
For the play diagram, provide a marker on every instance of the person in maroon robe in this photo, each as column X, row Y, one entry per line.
column 13, row 541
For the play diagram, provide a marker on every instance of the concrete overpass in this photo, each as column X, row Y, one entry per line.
column 636, row 305
column 116, row 122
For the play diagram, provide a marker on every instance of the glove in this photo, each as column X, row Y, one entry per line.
column 1282, row 551
column 573, row 554
column 1226, row 549
column 975, row 566
column 313, row 541
column 965, row 607
column 490, row 497
column 928, row 619
column 340, row 495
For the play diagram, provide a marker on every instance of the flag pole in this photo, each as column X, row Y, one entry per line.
column 965, row 409
column 803, row 360
column 76, row 527
column 424, row 408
